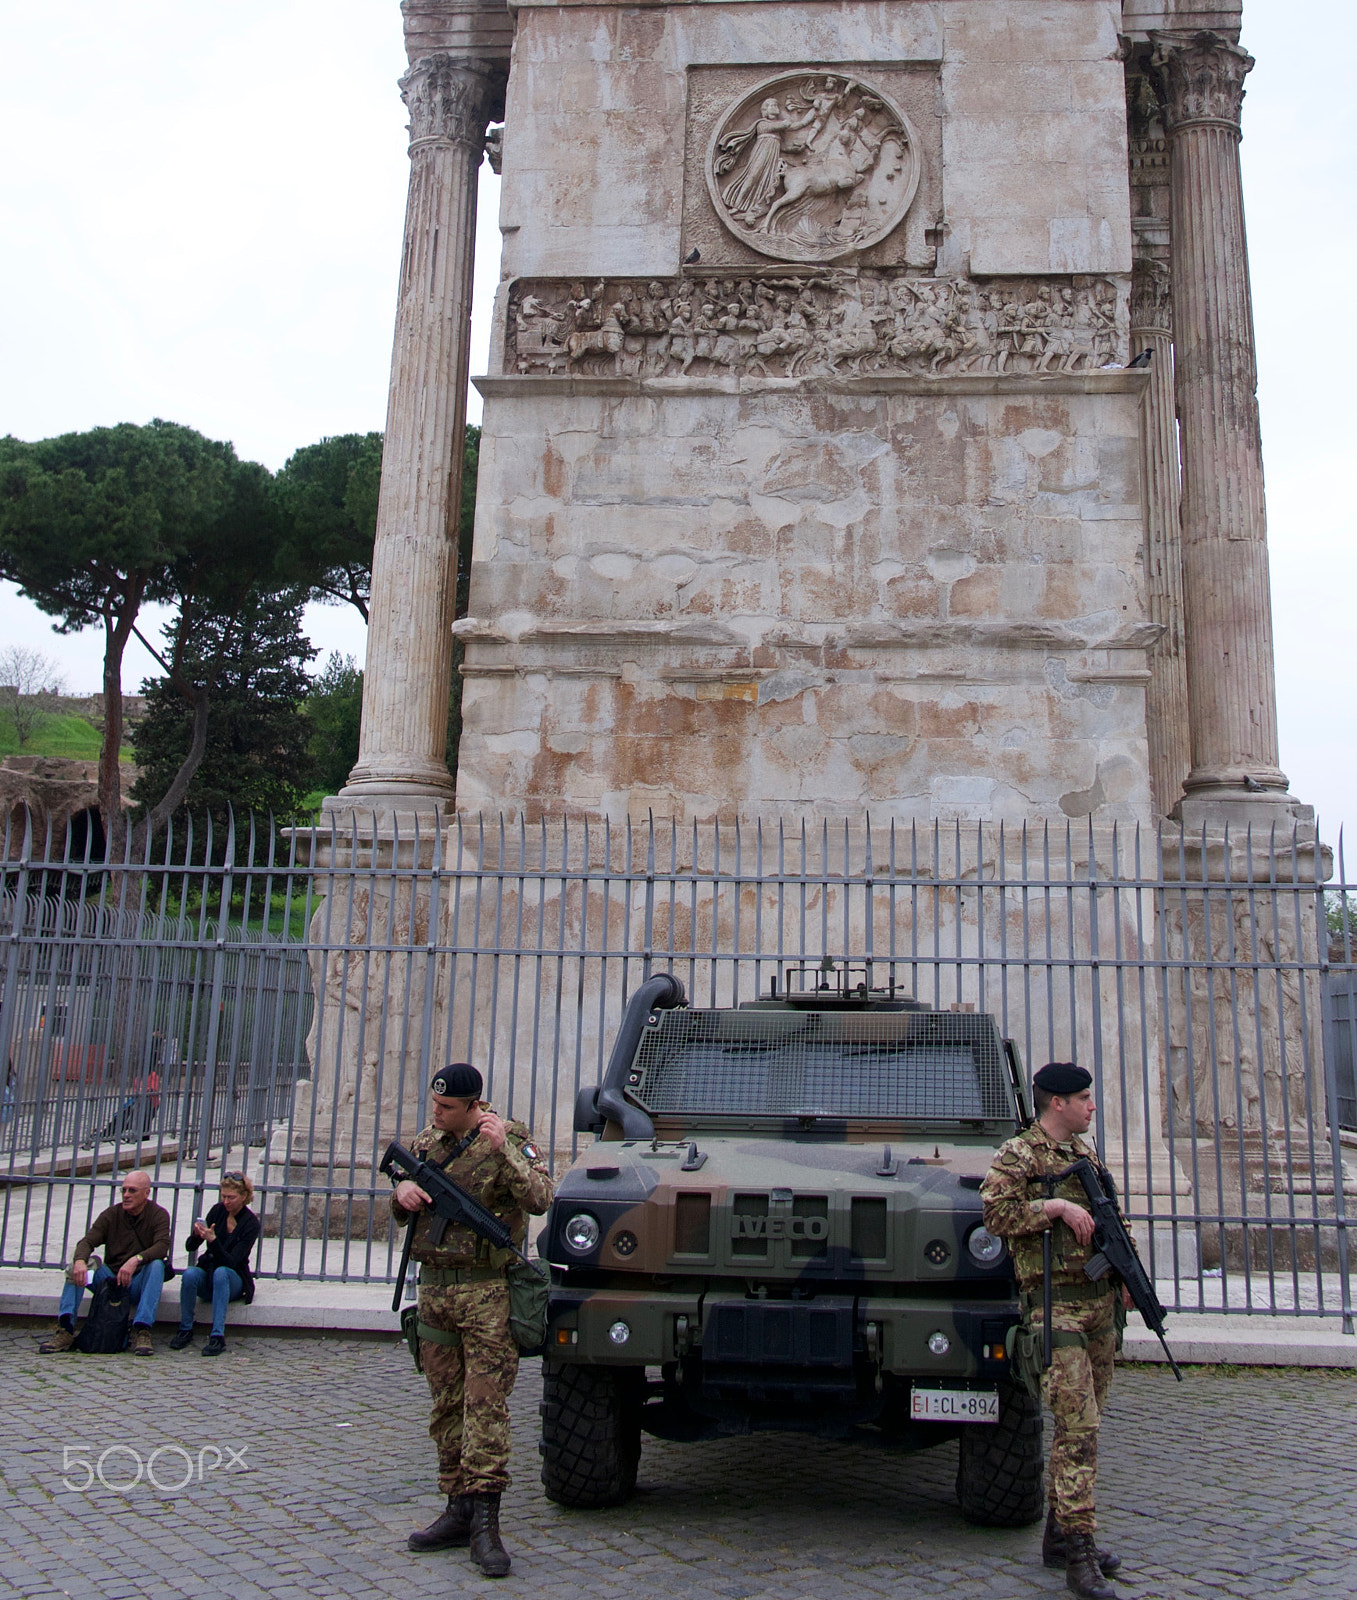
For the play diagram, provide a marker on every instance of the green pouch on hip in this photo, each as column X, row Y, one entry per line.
column 410, row 1332
column 528, row 1291
column 413, row 1331
column 1023, row 1349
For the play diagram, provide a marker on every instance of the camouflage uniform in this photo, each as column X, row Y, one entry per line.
column 1075, row 1387
column 463, row 1293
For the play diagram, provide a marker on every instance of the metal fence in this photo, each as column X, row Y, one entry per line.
column 276, row 1002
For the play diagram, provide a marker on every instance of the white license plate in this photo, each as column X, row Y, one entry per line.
column 954, row 1405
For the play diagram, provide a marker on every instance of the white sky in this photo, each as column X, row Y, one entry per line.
column 200, row 219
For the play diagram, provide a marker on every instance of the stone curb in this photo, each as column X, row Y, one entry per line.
column 286, row 1303
column 1246, row 1341
column 278, row 1303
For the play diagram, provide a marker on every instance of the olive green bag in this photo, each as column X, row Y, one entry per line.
column 1023, row 1345
column 529, row 1287
column 1024, row 1358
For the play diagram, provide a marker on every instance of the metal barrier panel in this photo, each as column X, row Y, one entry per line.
column 275, row 1002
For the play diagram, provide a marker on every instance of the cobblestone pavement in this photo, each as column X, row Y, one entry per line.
column 309, row 1466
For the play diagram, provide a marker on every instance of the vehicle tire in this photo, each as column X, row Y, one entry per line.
column 591, row 1434
column 998, row 1481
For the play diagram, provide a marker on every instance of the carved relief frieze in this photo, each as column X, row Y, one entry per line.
column 810, row 167
column 1202, row 78
column 831, row 323
column 448, row 102
column 815, row 164
column 1147, row 148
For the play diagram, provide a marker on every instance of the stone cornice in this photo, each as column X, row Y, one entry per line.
column 1113, row 380
column 467, row 30
column 872, row 635
column 1202, row 75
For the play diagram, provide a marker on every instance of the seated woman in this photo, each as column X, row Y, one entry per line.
column 230, row 1231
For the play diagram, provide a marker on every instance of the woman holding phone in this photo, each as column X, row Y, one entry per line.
column 230, row 1231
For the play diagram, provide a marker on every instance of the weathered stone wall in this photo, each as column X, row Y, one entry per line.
column 927, row 602
column 761, row 531
column 1031, row 105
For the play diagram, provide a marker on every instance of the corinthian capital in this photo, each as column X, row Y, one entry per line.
column 1151, row 299
column 449, row 102
column 1202, row 76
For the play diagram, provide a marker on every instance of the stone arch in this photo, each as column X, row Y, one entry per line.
column 85, row 832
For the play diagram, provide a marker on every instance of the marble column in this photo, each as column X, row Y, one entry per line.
column 402, row 747
column 1166, row 696
column 1152, row 329
column 1227, row 603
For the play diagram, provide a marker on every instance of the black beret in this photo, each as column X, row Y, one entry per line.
column 460, row 1081
column 1062, row 1077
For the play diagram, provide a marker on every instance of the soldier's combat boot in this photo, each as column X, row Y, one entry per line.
column 1082, row 1577
column 1053, row 1549
column 450, row 1530
column 486, row 1550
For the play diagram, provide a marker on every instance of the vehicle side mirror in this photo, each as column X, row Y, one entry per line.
column 588, row 1118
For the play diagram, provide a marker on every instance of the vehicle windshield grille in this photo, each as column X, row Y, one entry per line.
column 914, row 1066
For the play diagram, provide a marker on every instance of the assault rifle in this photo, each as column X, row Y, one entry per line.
column 1116, row 1253
column 451, row 1203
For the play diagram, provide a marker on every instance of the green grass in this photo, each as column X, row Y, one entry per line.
column 66, row 735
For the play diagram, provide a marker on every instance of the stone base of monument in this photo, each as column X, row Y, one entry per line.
column 1289, row 1202
column 1166, row 1247
column 320, row 1192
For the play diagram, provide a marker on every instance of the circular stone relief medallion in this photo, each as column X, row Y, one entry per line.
column 811, row 165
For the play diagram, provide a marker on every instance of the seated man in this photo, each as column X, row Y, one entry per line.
column 136, row 1240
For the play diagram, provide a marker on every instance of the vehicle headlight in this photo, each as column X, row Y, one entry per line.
column 985, row 1247
column 939, row 1343
column 619, row 1333
column 581, row 1234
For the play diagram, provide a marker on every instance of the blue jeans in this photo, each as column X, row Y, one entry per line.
column 147, row 1282
column 226, row 1286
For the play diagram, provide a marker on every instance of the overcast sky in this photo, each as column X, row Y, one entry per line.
column 200, row 219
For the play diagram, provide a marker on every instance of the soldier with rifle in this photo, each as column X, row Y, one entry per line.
column 1073, row 1301
column 466, row 1350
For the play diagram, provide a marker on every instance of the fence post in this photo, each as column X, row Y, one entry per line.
column 215, row 1005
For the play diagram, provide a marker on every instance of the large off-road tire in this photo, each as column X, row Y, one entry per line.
column 591, row 1434
column 998, row 1480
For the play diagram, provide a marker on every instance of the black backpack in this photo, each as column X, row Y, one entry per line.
column 105, row 1329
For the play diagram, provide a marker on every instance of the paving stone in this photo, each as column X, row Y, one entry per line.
column 1237, row 1483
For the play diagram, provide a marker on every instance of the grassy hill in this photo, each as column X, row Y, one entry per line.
column 63, row 734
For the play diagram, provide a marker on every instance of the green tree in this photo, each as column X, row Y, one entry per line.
column 328, row 492
column 334, row 709
column 94, row 525
column 256, row 754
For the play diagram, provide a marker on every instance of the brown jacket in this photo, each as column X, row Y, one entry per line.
column 124, row 1236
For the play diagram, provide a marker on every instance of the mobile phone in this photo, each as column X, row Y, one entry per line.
column 200, row 1222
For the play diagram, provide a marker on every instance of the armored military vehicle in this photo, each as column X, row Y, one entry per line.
column 778, row 1226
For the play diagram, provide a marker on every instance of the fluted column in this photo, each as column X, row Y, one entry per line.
column 1227, row 602
column 402, row 745
column 1166, row 697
